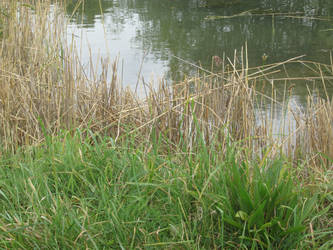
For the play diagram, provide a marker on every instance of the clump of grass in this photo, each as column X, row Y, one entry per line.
column 263, row 206
column 77, row 191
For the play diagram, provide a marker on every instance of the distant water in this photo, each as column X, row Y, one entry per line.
column 154, row 33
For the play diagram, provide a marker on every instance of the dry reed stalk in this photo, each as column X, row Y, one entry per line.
column 44, row 84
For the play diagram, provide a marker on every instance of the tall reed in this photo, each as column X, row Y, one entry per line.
column 44, row 88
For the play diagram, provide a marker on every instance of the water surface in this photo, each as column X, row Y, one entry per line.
column 156, row 32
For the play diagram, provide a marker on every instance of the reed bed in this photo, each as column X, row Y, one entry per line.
column 44, row 87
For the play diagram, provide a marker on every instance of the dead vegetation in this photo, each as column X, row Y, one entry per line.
column 45, row 88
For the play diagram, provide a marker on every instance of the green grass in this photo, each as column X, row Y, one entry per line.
column 85, row 191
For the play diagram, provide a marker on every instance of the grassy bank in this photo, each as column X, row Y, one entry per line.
column 87, row 164
column 87, row 192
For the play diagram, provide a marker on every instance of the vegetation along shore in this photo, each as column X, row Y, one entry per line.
column 198, row 164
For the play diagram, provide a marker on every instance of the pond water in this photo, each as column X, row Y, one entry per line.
column 155, row 33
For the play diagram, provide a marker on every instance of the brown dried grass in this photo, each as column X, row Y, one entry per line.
column 43, row 85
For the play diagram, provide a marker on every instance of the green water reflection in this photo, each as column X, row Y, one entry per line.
column 162, row 29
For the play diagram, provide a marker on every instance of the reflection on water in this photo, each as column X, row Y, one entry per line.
column 197, row 30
